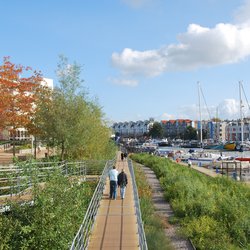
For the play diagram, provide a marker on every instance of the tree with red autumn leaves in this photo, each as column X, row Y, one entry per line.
column 20, row 89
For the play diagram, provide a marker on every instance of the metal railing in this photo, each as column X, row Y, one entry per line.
column 16, row 179
column 142, row 236
column 82, row 237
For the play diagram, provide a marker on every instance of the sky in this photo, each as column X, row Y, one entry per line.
column 140, row 59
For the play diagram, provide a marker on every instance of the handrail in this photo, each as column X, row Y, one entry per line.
column 82, row 237
column 141, row 232
column 21, row 177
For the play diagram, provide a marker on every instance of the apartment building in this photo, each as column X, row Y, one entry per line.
column 132, row 129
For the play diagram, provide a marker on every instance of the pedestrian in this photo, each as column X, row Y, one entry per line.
column 113, row 177
column 189, row 163
column 125, row 155
column 122, row 156
column 122, row 183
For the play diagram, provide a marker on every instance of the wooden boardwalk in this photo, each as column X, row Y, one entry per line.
column 116, row 223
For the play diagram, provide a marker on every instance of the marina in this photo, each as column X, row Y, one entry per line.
column 234, row 164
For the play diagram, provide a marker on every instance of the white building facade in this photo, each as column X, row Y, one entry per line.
column 132, row 129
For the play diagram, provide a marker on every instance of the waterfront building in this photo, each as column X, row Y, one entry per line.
column 132, row 129
column 175, row 128
column 233, row 130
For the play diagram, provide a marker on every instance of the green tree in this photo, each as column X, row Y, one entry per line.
column 73, row 122
column 156, row 131
column 190, row 133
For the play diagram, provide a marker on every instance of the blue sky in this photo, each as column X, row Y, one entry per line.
column 140, row 58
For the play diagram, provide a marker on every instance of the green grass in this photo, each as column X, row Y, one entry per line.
column 213, row 212
column 153, row 224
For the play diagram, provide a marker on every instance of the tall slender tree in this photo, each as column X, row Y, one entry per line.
column 71, row 121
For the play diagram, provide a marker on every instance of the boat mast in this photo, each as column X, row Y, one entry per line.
column 241, row 115
column 199, row 95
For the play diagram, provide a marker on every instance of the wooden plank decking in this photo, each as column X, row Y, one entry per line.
column 116, row 225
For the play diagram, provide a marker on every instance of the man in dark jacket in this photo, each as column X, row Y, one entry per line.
column 122, row 183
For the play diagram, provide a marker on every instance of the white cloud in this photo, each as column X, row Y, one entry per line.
column 131, row 62
column 230, row 109
column 242, row 14
column 164, row 116
column 227, row 109
column 198, row 47
column 123, row 81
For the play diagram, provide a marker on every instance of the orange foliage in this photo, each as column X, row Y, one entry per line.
column 20, row 89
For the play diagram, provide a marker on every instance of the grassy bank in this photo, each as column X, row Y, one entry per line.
column 153, row 224
column 214, row 212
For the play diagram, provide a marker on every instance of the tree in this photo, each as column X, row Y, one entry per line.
column 19, row 88
column 156, row 131
column 76, row 125
column 216, row 119
column 190, row 133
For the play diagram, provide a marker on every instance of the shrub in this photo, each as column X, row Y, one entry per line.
column 205, row 206
column 52, row 221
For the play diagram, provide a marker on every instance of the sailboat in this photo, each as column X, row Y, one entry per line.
column 214, row 145
column 242, row 145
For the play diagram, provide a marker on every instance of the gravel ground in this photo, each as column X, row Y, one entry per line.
column 164, row 210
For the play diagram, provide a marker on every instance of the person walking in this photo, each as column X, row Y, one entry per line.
column 122, row 156
column 122, row 183
column 125, row 155
column 113, row 178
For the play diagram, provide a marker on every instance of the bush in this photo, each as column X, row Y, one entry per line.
column 52, row 221
column 207, row 233
column 205, row 206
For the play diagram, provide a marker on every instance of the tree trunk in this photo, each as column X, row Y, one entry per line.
column 14, row 142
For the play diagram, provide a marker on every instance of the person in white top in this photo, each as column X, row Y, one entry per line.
column 113, row 177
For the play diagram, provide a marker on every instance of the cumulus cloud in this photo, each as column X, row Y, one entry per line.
column 132, row 62
column 230, row 109
column 198, row 47
column 227, row 109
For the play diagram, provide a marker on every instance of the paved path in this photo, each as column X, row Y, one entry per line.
column 116, row 225
column 164, row 210
column 6, row 157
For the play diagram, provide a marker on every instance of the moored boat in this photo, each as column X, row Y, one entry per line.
column 242, row 159
column 230, row 146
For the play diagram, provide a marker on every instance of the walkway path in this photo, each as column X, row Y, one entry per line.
column 6, row 157
column 116, row 225
column 164, row 210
